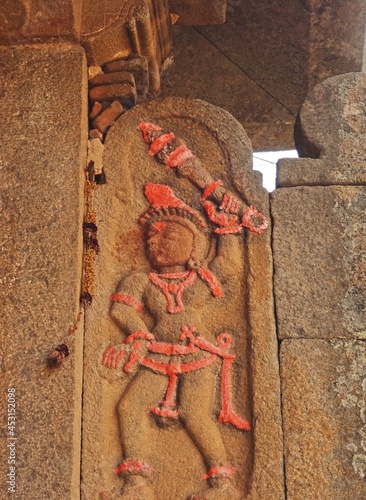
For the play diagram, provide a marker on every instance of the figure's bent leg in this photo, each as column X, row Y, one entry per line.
column 197, row 390
column 135, row 423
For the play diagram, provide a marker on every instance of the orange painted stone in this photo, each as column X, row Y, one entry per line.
column 181, row 360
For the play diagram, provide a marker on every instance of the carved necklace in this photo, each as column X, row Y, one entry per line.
column 173, row 285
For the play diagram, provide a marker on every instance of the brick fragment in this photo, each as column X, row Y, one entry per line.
column 95, row 134
column 111, row 78
column 138, row 66
column 108, row 116
column 96, row 109
column 123, row 93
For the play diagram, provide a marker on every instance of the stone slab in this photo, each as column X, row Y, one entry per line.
column 202, row 71
column 224, row 150
column 42, row 157
column 319, row 243
column 324, row 412
column 269, row 42
column 39, row 20
column 199, row 12
column 330, row 130
column 336, row 38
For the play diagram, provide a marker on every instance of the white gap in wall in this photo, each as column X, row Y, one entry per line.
column 266, row 163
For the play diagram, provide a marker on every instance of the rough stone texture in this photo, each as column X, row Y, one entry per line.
column 319, row 243
column 39, row 20
column 266, row 39
column 199, row 12
column 117, row 29
column 41, row 163
column 200, row 70
column 331, row 126
column 336, row 38
column 324, row 410
column 225, row 152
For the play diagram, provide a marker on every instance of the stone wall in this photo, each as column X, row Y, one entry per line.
column 319, row 244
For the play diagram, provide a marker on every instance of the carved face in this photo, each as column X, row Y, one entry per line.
column 169, row 244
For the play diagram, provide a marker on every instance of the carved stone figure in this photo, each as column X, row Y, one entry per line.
column 176, row 362
column 181, row 398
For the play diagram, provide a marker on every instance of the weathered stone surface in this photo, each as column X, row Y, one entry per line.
column 116, row 30
column 202, row 71
column 324, row 411
column 122, row 92
column 224, row 150
column 39, row 20
column 138, row 66
column 110, row 78
column 264, row 39
column 41, row 164
column 336, row 38
column 319, row 244
column 198, row 12
column 331, row 126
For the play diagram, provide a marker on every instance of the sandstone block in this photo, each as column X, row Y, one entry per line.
column 330, row 129
column 41, row 163
column 111, row 78
column 138, row 66
column 96, row 109
column 39, row 20
column 108, row 116
column 320, row 260
column 124, row 93
column 324, row 411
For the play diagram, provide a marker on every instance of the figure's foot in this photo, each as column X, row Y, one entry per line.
column 137, row 488
column 219, row 490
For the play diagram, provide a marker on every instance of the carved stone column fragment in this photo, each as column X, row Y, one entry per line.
column 181, row 357
column 122, row 29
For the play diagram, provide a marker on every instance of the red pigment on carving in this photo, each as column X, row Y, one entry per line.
column 228, row 230
column 210, row 188
column 250, row 214
column 220, row 471
column 178, row 157
column 161, row 196
column 229, row 203
column 145, row 128
column 139, row 335
column 135, row 357
column 219, row 218
column 160, row 142
column 159, row 226
column 133, row 466
column 112, row 357
column 211, row 280
column 172, row 349
column 128, row 300
column 173, row 292
column 227, row 414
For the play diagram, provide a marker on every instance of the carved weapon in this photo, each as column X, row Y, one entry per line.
column 170, row 151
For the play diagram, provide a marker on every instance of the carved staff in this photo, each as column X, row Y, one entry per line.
column 232, row 215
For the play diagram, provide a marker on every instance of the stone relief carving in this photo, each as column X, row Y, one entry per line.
column 169, row 409
column 176, row 363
